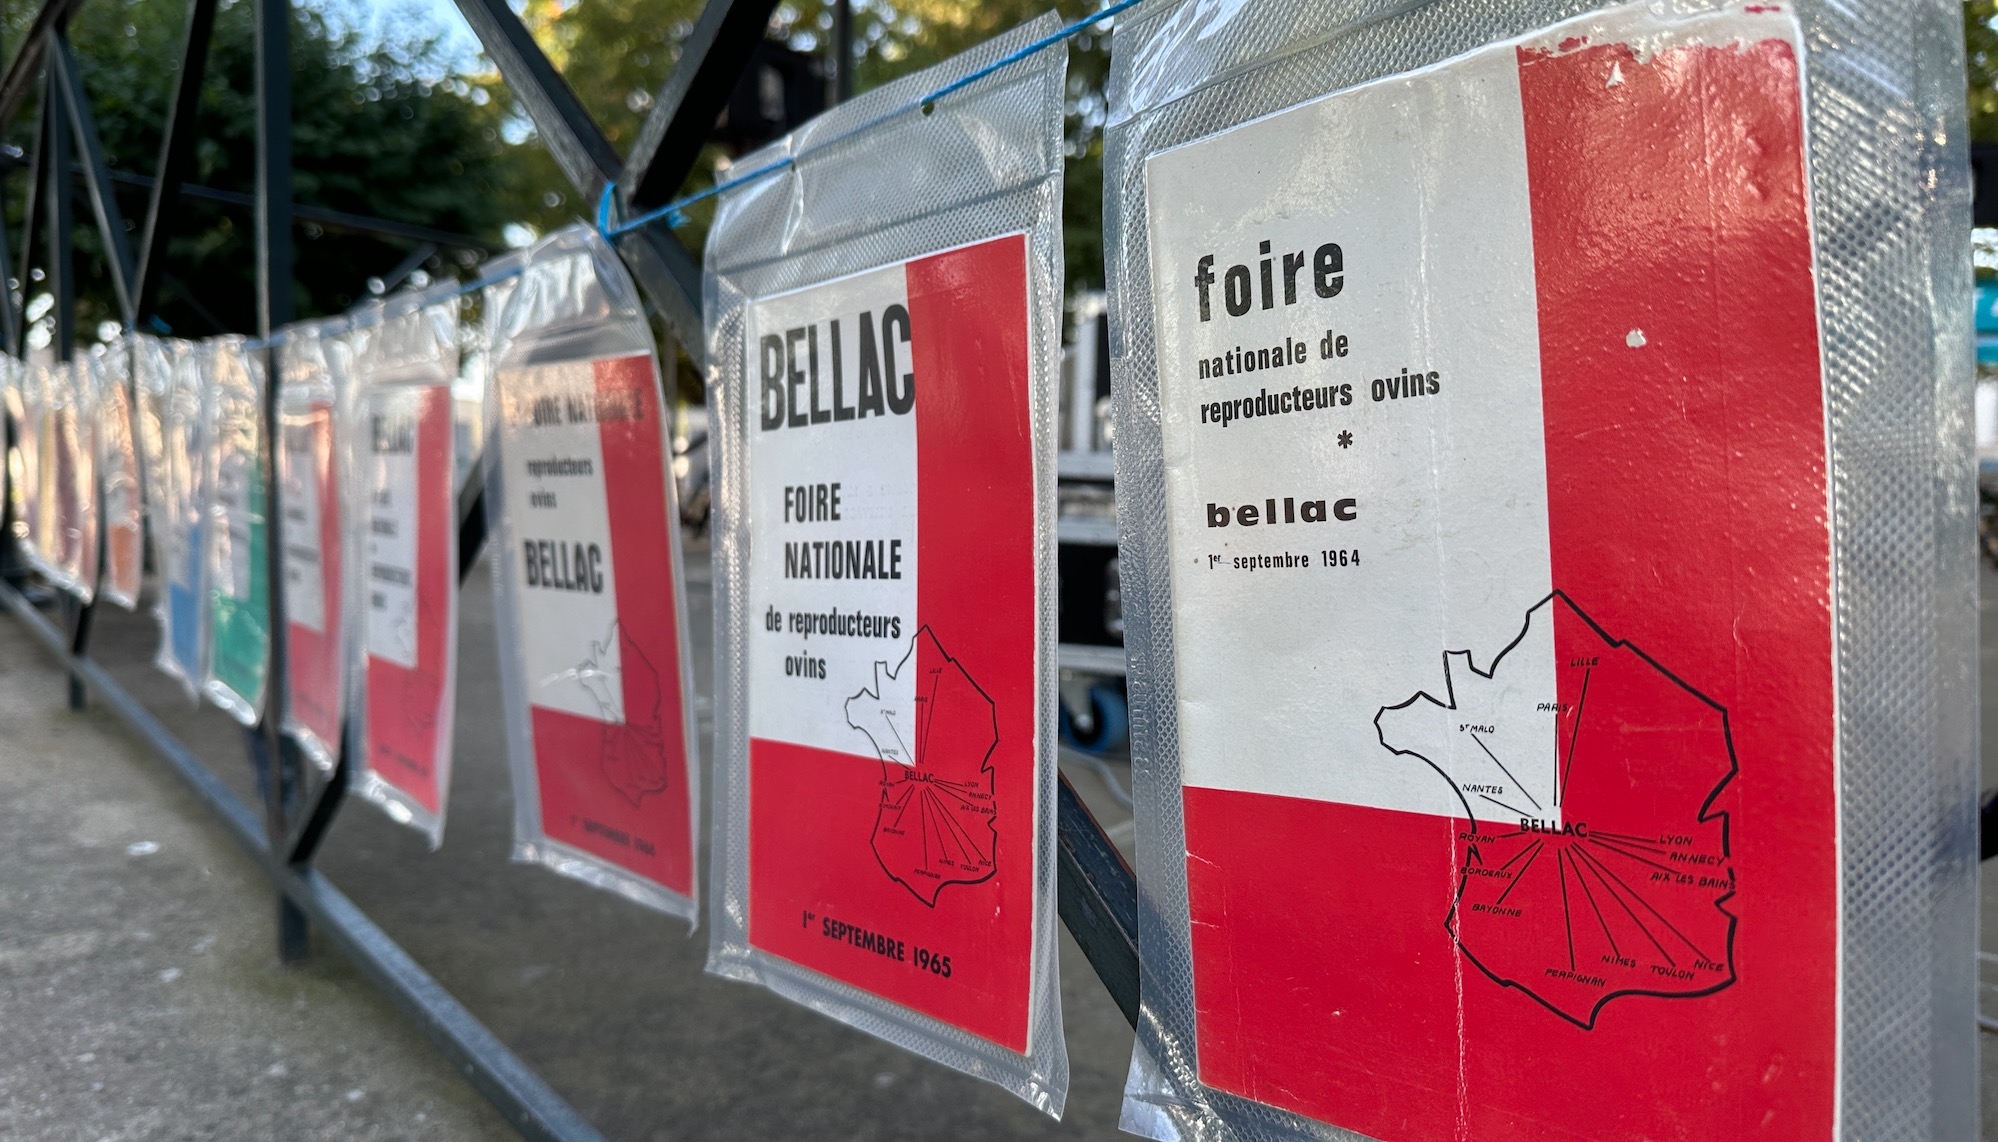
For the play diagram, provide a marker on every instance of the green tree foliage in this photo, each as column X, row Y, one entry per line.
column 380, row 131
column 1980, row 44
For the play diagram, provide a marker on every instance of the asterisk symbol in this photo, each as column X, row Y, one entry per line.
column 1345, row 440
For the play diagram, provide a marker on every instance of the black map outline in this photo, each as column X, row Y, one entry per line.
column 609, row 730
column 984, row 764
column 1707, row 813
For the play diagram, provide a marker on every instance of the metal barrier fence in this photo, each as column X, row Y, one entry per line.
column 1097, row 893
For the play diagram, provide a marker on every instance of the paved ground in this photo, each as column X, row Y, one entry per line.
column 138, row 994
column 153, row 974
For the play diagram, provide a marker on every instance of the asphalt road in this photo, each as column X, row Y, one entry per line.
column 607, row 1000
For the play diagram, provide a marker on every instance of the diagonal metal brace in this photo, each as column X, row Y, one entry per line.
column 665, row 270
column 97, row 174
column 683, row 115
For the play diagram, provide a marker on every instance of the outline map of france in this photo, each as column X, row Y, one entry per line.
column 937, row 821
column 1599, row 869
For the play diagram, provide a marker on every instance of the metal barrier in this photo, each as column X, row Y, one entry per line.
column 1097, row 893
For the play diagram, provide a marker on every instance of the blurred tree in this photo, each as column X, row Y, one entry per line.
column 1980, row 44
column 379, row 130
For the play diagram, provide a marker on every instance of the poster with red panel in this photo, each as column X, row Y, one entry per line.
column 122, row 507
column 310, row 471
column 891, row 691
column 401, row 441
column 587, row 565
column 885, row 366
column 892, row 707
column 1497, row 532
column 70, row 458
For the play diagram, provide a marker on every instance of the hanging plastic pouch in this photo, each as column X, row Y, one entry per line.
column 13, row 414
column 310, row 473
column 403, row 484
column 174, row 429
column 885, row 352
column 1505, row 677
column 70, row 465
column 586, row 566
column 123, row 514
column 32, row 443
column 13, row 406
column 237, row 565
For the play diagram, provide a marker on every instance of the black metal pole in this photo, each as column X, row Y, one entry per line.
column 61, row 272
column 176, row 155
column 60, row 216
column 842, row 45
column 96, row 173
column 37, row 175
column 276, row 764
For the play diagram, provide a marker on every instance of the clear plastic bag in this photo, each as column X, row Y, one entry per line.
column 173, row 426
column 587, row 571
column 313, row 387
column 123, row 512
column 403, row 482
column 238, row 567
column 885, row 671
column 1507, row 681
column 13, row 449
column 68, row 557
column 33, row 435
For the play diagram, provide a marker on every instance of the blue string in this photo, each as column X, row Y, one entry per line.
column 675, row 212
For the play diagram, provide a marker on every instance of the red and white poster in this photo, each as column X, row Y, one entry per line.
column 591, row 589
column 892, row 653
column 72, row 476
column 309, row 495
column 1495, row 447
column 409, row 588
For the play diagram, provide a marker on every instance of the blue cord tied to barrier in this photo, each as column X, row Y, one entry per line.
column 675, row 212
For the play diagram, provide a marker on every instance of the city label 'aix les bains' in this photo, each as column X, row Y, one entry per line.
column 1327, row 277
